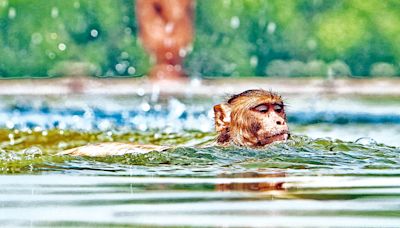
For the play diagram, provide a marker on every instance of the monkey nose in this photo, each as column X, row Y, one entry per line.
column 280, row 122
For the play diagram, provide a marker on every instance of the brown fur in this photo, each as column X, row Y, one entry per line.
column 224, row 136
column 247, row 126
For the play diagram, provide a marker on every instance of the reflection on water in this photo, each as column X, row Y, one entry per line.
column 258, row 186
column 307, row 181
column 97, row 200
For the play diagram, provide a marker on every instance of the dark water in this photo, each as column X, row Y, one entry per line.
column 323, row 176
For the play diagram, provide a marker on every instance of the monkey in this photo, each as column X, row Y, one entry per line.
column 254, row 118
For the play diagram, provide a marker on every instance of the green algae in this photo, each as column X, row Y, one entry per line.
column 33, row 151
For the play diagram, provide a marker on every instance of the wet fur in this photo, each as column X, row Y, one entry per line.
column 245, row 127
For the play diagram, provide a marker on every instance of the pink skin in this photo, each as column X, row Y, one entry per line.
column 275, row 123
column 259, row 126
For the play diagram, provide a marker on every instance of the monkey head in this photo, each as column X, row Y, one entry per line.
column 254, row 118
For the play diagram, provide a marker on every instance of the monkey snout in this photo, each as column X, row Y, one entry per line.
column 280, row 121
column 281, row 125
column 275, row 122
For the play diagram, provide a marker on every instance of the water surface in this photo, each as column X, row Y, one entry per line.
column 341, row 167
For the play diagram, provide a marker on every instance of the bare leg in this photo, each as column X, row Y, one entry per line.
column 166, row 30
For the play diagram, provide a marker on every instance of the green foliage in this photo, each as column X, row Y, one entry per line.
column 297, row 37
column 291, row 38
column 339, row 68
column 383, row 69
column 38, row 36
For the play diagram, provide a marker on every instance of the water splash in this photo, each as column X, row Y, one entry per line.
column 35, row 152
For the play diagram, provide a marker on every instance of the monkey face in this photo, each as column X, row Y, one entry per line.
column 266, row 123
column 254, row 118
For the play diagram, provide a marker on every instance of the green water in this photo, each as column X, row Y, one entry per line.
column 31, row 152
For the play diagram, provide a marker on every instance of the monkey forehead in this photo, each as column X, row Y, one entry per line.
column 254, row 97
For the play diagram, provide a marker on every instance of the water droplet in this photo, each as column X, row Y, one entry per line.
column 12, row 13
column 235, row 22
column 37, row 129
column 10, row 124
column 62, row 145
column 33, row 151
column 155, row 93
column 88, row 114
column 105, row 125
column 169, row 55
column 271, row 27
column 366, row 141
column 145, row 106
column 128, row 31
column 124, row 55
column 131, row 70
column 195, row 82
column 142, row 127
column 178, row 67
column 157, row 135
column 62, row 47
column 182, row 52
column 120, row 68
column 36, row 38
column 176, row 108
column 157, row 107
column 170, row 68
column 54, row 12
column 94, row 33
column 51, row 55
column 140, row 92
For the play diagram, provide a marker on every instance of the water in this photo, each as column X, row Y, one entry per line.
column 341, row 168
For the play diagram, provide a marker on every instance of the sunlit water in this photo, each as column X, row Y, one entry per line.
column 341, row 168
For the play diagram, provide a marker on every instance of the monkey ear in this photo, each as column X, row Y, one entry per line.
column 222, row 115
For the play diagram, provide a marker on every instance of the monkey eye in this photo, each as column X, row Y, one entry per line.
column 278, row 108
column 261, row 108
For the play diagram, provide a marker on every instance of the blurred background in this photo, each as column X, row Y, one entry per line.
column 240, row 38
column 335, row 62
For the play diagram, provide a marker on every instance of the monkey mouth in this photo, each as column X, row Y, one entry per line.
column 283, row 135
column 279, row 136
